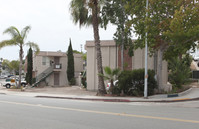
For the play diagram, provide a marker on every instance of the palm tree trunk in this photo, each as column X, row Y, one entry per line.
column 20, row 65
column 101, row 87
column 15, row 78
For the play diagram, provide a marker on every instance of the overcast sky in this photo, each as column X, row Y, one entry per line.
column 51, row 25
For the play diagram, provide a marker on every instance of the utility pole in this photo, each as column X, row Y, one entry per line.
column 81, row 47
column 146, row 51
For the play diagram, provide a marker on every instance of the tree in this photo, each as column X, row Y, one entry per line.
column 177, row 76
column 5, row 64
column 11, row 66
column 111, row 75
column 86, row 12
column 70, row 67
column 77, row 52
column 183, row 32
column 113, row 11
column 18, row 39
column 14, row 66
column 84, row 56
column 162, row 17
column 30, row 67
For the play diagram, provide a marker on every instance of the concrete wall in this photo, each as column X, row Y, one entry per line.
column 138, row 61
column 78, row 61
column 110, row 58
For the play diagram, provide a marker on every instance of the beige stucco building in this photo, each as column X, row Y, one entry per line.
column 51, row 67
column 111, row 57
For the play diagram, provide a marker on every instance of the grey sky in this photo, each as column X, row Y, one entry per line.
column 51, row 23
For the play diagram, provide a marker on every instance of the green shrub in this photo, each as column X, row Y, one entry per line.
column 125, row 81
column 83, row 81
column 33, row 80
column 72, row 81
column 132, row 82
column 116, row 90
column 179, row 71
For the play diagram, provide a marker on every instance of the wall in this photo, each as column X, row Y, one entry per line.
column 110, row 58
column 78, row 62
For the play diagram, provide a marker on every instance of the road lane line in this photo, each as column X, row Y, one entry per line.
column 100, row 112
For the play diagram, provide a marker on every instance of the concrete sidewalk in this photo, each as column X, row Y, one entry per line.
column 77, row 93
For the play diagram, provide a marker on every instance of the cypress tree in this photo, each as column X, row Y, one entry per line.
column 70, row 68
column 30, row 67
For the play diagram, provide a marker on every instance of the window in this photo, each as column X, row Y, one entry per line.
column 45, row 60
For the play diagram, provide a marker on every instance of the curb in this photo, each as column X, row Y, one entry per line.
column 173, row 95
column 2, row 93
column 91, row 99
column 170, row 101
column 180, row 94
column 185, row 92
column 123, row 100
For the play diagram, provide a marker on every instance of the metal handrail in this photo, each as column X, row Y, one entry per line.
column 44, row 73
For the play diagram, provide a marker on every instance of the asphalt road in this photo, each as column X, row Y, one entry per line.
column 18, row 112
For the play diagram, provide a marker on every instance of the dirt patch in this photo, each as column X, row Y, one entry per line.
column 69, row 90
column 194, row 84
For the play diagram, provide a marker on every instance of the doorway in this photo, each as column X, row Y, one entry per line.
column 56, row 78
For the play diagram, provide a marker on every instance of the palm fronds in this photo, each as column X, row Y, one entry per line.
column 6, row 43
column 13, row 31
column 25, row 31
column 34, row 46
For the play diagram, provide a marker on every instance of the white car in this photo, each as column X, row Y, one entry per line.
column 11, row 82
column 3, row 76
column 109, row 84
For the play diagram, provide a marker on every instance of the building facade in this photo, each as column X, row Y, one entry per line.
column 49, row 68
column 111, row 56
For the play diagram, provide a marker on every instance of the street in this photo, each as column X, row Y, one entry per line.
column 19, row 112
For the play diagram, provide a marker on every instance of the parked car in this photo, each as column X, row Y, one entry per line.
column 11, row 82
column 3, row 76
column 109, row 84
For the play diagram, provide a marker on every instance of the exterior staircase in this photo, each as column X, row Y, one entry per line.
column 42, row 76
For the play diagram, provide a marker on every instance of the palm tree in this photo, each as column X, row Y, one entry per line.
column 111, row 75
column 86, row 12
column 18, row 39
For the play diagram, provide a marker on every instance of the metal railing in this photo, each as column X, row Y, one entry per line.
column 46, row 73
column 43, row 75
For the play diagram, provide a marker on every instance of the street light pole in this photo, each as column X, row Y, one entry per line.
column 146, row 51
